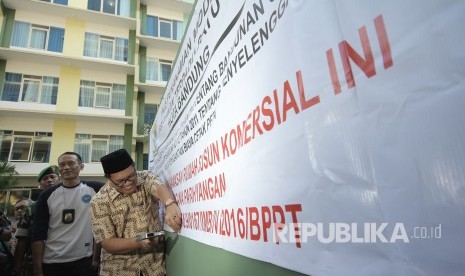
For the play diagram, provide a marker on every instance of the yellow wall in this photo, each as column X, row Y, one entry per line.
column 68, row 95
column 74, row 39
column 62, row 139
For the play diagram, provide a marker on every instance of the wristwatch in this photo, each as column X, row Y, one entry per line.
column 149, row 235
column 169, row 202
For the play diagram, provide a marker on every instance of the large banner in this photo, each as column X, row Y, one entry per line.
column 327, row 137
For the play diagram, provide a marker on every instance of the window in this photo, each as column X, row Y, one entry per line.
column 165, row 67
column 29, row 88
column 117, row 7
column 99, row 149
column 57, row 36
column 49, row 90
column 26, row 35
column 82, row 145
column 21, row 146
column 167, row 28
column 38, row 39
column 152, row 25
column 106, row 47
column 109, row 6
column 152, row 69
column 86, row 93
column 158, row 69
column 11, row 87
column 42, row 146
column 116, row 143
column 5, row 144
column 150, row 113
column 145, row 161
column 118, row 96
column 93, row 147
column 102, row 95
column 121, row 49
column 61, row 2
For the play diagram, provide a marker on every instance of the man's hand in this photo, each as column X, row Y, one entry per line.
column 173, row 217
column 147, row 245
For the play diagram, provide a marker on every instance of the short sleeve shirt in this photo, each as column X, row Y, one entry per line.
column 115, row 215
column 65, row 242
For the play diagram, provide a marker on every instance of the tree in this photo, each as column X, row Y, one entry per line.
column 8, row 175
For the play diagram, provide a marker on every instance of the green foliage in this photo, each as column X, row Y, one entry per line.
column 8, row 175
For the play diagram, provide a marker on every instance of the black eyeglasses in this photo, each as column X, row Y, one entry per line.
column 122, row 182
column 21, row 208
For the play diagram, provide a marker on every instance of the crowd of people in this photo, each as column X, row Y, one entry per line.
column 87, row 228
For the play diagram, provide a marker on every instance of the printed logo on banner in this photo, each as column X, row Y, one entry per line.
column 340, row 232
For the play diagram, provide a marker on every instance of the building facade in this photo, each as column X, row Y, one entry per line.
column 84, row 76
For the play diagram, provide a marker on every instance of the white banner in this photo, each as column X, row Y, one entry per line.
column 327, row 137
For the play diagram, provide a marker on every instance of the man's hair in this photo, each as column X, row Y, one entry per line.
column 71, row 153
column 23, row 199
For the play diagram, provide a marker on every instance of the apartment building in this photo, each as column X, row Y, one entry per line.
column 84, row 76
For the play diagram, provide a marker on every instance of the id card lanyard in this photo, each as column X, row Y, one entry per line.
column 68, row 214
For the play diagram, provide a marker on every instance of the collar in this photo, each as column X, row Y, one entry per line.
column 112, row 192
column 72, row 187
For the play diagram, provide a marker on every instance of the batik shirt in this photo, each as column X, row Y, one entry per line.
column 115, row 215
